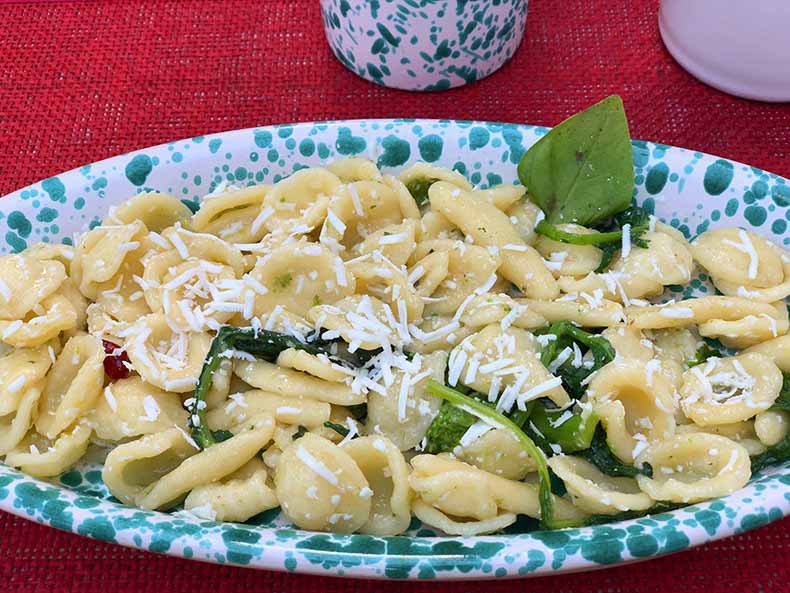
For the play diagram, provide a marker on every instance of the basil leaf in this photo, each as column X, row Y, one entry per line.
column 582, row 171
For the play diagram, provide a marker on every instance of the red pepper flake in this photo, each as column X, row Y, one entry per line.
column 114, row 364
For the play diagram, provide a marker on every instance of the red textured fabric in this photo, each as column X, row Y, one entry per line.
column 82, row 81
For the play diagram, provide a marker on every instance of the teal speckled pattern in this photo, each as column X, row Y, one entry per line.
column 424, row 45
column 689, row 190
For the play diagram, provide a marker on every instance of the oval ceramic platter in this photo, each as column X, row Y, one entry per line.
column 690, row 190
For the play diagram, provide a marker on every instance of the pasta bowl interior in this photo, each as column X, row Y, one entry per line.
column 361, row 297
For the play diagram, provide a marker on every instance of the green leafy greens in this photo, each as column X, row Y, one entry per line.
column 582, row 171
column 571, row 432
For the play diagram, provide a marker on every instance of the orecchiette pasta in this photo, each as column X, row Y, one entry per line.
column 358, row 348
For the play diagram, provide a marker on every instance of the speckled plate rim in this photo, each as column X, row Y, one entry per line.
column 728, row 193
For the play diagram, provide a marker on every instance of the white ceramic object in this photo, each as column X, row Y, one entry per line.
column 424, row 46
column 741, row 47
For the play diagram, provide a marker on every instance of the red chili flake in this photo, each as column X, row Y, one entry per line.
column 114, row 364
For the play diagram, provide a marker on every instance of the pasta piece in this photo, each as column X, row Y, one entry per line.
column 587, row 312
column 435, row 518
column 502, row 196
column 321, row 488
column 489, row 308
column 164, row 358
column 435, row 226
column 692, row 467
column 426, row 172
column 130, row 408
column 51, row 251
column 429, row 272
column 635, row 404
column 771, row 426
column 25, row 282
column 778, row 349
column 285, row 410
column 79, row 303
column 497, row 452
column 345, row 317
column 134, row 466
column 595, row 492
column 299, row 200
column 220, row 384
column 743, row 263
column 208, row 466
column 354, row 169
column 489, row 227
column 629, row 342
column 742, row 433
column 524, row 216
column 239, row 496
column 57, row 315
column 389, row 283
column 405, row 410
column 394, row 241
column 269, row 377
column 231, row 214
column 438, row 332
column 72, row 386
column 300, row 276
column 408, row 206
column 674, row 348
column 565, row 259
column 645, row 272
column 317, row 365
column 750, row 330
column 471, row 269
column 387, row 475
column 155, row 210
column 727, row 390
column 15, row 423
column 41, row 457
column 494, row 361
column 463, row 491
column 21, row 369
column 206, row 247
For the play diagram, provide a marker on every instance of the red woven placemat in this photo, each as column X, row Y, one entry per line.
column 81, row 81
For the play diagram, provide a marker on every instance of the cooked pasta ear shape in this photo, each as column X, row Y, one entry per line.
column 435, row 518
column 595, row 492
column 495, row 361
column 131, row 407
column 565, row 259
column 585, row 310
column 317, row 365
column 438, row 332
column 745, row 264
column 727, row 390
column 57, row 315
column 428, row 174
column 778, row 349
column 674, row 347
column 299, row 276
column 239, row 496
column 404, row 411
column 435, row 226
column 465, row 492
column 321, row 488
column 692, row 467
column 15, row 423
column 72, row 386
column 25, row 282
column 387, row 474
column 396, row 242
column 204, row 246
column 131, row 467
column 489, row 308
column 376, row 318
column 155, row 210
column 408, row 205
column 636, row 405
column 750, row 330
column 286, row 382
column 629, row 342
column 285, row 410
column 43, row 458
column 299, row 200
column 501, row 196
column 101, row 253
column 699, row 311
column 490, row 227
column 232, row 214
column 469, row 268
column 210, row 465
column 354, row 169
column 164, row 358
column 771, row 426
column 497, row 452
column 524, row 216
column 743, row 433
column 389, row 283
column 21, row 369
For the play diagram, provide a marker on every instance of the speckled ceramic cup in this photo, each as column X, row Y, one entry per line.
column 424, row 46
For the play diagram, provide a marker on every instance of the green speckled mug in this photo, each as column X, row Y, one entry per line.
column 424, row 45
